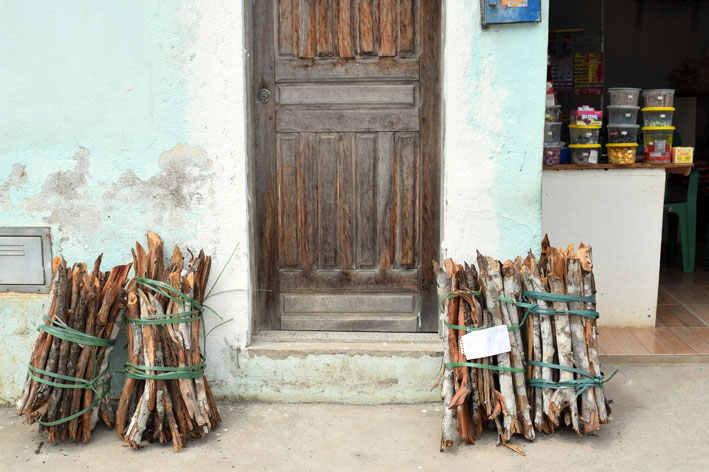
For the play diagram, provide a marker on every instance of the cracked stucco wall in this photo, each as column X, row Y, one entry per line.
column 119, row 117
column 494, row 90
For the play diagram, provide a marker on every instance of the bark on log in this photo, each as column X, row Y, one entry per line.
column 584, row 254
column 447, row 427
column 574, row 287
column 512, row 289
column 491, row 279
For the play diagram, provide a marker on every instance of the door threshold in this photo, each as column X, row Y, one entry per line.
column 344, row 337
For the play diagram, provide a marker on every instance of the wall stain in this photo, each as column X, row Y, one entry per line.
column 16, row 179
column 64, row 195
column 79, row 205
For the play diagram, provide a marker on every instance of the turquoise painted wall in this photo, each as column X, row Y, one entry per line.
column 96, row 141
column 494, row 91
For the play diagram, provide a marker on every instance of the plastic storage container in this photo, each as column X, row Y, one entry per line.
column 682, row 155
column 552, row 113
column 621, row 153
column 623, row 114
column 658, row 144
column 659, row 97
column 552, row 154
column 657, row 116
column 583, row 134
column 585, row 153
column 552, row 132
column 624, row 96
column 618, row 134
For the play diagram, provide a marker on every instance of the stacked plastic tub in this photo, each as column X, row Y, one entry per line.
column 657, row 125
column 622, row 125
column 552, row 136
column 584, row 134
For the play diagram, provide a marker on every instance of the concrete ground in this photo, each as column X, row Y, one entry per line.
column 659, row 423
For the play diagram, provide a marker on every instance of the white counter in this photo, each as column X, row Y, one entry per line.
column 619, row 213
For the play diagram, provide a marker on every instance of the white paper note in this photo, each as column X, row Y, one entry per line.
column 485, row 343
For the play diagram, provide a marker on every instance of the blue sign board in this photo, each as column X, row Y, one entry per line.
column 511, row 11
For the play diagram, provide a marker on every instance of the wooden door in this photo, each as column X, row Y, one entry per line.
column 345, row 130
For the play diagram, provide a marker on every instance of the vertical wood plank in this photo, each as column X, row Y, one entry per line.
column 387, row 28
column 325, row 33
column 307, row 23
column 343, row 29
column 429, row 160
column 406, row 152
column 287, row 40
column 386, row 196
column 327, row 200
column 345, row 199
column 365, row 194
column 287, row 149
column 365, row 28
column 407, row 27
column 307, row 181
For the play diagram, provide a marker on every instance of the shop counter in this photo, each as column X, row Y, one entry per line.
column 618, row 211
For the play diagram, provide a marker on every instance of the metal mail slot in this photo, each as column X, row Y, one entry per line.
column 25, row 259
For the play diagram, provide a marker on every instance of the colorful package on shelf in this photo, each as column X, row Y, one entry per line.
column 682, row 155
column 586, row 115
column 550, row 99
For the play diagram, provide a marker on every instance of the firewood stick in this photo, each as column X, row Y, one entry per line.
column 86, row 352
column 103, row 407
column 39, row 349
column 459, row 373
column 574, row 287
column 71, row 321
column 178, row 406
column 74, row 351
column 589, row 290
column 565, row 396
column 159, row 361
column 174, row 429
column 135, row 342
column 490, row 276
column 512, row 288
column 528, row 283
column 44, row 390
column 546, row 335
column 443, row 283
column 139, row 419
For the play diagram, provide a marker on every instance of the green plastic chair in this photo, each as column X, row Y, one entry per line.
column 687, row 217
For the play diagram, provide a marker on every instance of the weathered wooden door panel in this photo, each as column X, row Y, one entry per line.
column 342, row 177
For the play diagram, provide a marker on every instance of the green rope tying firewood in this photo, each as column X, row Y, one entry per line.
column 60, row 330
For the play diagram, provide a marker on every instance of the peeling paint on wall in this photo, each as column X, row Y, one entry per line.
column 15, row 180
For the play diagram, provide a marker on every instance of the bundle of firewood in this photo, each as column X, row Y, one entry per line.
column 68, row 379
column 551, row 371
column 166, row 396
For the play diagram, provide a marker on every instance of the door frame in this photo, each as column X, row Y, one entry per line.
column 260, row 123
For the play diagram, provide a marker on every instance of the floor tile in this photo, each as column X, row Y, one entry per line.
column 701, row 312
column 664, row 298
column 648, row 338
column 674, row 343
column 689, row 293
column 676, row 315
column 608, row 344
column 625, row 337
column 693, row 339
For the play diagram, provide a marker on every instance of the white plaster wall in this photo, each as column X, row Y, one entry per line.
column 216, row 115
column 619, row 213
column 494, row 89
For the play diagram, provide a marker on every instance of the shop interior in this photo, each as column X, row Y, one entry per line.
column 598, row 45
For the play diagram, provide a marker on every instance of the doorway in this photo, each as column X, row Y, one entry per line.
column 346, row 157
